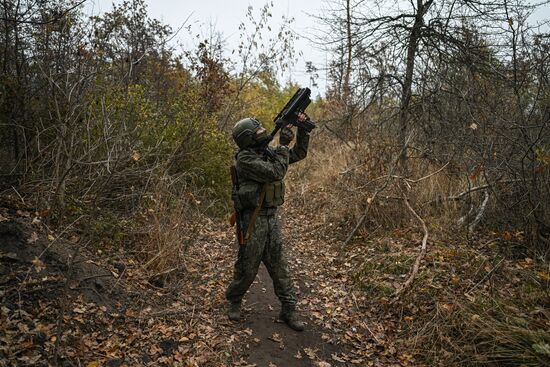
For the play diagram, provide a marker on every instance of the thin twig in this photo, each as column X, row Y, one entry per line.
column 410, row 180
column 420, row 255
column 18, row 194
column 429, row 175
column 364, row 216
column 371, row 333
column 485, row 277
column 375, row 194
column 469, row 191
column 95, row 277
column 15, row 20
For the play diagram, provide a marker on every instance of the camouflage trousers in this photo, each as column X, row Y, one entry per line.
column 264, row 245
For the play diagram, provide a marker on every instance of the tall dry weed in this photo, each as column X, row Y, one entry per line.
column 338, row 180
column 486, row 332
column 171, row 221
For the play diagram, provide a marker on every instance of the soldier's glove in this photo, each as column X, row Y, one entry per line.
column 286, row 136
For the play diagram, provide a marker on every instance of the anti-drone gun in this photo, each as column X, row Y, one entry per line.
column 289, row 115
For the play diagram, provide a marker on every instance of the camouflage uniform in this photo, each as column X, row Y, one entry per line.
column 264, row 243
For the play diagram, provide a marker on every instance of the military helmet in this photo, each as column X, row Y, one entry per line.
column 244, row 132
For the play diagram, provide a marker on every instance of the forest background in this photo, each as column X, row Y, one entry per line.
column 436, row 117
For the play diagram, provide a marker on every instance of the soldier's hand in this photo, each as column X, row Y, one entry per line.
column 286, row 136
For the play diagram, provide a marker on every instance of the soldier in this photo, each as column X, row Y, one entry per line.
column 261, row 171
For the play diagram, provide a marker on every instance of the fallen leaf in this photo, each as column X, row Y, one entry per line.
column 154, row 350
column 38, row 265
column 179, row 356
column 455, row 280
column 33, row 238
column 311, row 353
column 276, row 338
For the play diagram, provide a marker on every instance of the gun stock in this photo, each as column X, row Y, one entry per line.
column 236, row 217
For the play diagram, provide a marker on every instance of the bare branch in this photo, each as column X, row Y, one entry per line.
column 420, row 256
column 53, row 20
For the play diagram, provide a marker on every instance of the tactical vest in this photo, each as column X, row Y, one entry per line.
column 250, row 192
column 274, row 194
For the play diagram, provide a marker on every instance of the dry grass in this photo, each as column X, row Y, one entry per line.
column 503, row 321
column 337, row 182
column 487, row 338
column 470, row 306
column 170, row 223
column 499, row 325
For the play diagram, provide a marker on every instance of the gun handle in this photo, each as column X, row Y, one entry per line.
column 233, row 219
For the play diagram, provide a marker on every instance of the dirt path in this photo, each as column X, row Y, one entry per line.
column 275, row 344
column 107, row 313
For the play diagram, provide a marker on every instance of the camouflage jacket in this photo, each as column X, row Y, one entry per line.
column 256, row 170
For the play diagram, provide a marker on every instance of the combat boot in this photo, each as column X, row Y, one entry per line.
column 290, row 317
column 234, row 312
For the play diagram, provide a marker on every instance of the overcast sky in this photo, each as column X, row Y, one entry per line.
column 226, row 17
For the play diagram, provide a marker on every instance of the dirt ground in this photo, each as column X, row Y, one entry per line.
column 64, row 304
column 273, row 342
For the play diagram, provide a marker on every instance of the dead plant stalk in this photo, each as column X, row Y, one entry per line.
column 420, row 256
column 389, row 176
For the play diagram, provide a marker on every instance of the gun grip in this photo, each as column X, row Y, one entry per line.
column 233, row 219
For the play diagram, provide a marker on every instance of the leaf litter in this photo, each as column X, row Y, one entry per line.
column 127, row 321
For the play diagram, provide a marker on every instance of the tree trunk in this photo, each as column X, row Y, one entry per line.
column 346, row 91
column 412, row 47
